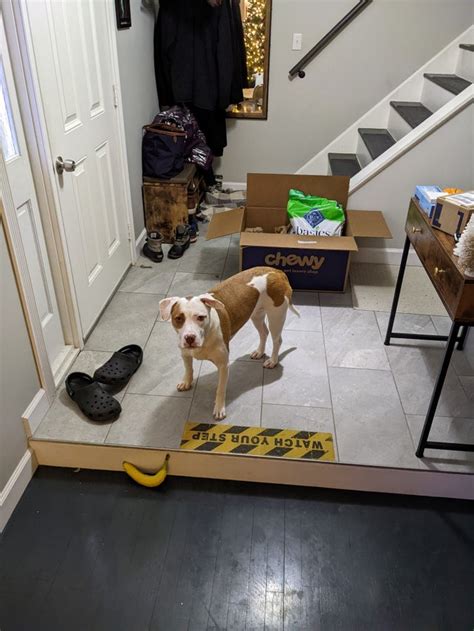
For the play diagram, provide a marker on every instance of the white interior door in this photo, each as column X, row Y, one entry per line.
column 28, row 217
column 72, row 49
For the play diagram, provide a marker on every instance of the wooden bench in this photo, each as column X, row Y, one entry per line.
column 167, row 203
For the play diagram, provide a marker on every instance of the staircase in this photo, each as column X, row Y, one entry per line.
column 432, row 95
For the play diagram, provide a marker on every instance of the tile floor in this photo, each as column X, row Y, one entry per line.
column 335, row 374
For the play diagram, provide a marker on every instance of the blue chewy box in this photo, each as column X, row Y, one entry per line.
column 426, row 197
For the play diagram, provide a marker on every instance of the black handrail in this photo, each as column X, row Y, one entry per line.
column 327, row 39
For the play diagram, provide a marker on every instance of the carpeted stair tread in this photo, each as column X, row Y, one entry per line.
column 412, row 112
column 344, row 164
column 450, row 82
column 377, row 141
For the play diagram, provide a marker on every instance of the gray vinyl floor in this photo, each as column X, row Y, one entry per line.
column 335, row 374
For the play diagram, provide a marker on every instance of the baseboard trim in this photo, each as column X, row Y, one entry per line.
column 236, row 186
column 69, row 358
column 15, row 487
column 139, row 242
column 386, row 256
column 35, row 412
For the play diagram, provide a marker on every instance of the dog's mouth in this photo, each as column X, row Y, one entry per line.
column 192, row 345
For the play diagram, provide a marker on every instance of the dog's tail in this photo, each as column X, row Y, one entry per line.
column 292, row 307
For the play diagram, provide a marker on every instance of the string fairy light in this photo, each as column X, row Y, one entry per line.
column 254, row 35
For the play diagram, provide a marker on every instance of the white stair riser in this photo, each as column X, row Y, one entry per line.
column 465, row 66
column 446, row 63
column 348, row 144
column 397, row 125
column 363, row 153
column 434, row 97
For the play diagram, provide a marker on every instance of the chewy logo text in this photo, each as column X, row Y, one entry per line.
column 315, row 262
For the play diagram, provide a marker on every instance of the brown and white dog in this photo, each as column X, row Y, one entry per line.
column 205, row 324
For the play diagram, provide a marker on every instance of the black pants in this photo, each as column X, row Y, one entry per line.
column 213, row 126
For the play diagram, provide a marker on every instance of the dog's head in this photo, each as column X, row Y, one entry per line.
column 190, row 317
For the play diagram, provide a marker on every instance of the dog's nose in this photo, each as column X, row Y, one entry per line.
column 189, row 339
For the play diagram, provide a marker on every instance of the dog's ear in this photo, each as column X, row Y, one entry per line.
column 210, row 301
column 166, row 305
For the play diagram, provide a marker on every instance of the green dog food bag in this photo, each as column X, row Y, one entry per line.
column 310, row 215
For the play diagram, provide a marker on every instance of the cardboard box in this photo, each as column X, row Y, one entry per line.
column 310, row 262
column 427, row 197
column 453, row 212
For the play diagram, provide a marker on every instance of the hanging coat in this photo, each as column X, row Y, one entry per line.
column 200, row 61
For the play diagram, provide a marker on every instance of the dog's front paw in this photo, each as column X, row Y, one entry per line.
column 270, row 363
column 184, row 385
column 257, row 355
column 219, row 412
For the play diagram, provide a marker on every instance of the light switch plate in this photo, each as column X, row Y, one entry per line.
column 297, row 41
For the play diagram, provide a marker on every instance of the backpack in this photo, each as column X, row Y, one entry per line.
column 163, row 149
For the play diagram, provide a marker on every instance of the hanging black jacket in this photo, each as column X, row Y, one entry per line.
column 199, row 54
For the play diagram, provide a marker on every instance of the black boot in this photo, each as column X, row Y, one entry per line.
column 152, row 248
column 181, row 242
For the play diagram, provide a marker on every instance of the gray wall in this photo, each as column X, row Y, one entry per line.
column 18, row 377
column 382, row 47
column 140, row 101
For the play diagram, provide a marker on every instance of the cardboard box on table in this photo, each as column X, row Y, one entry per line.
column 452, row 212
column 427, row 196
column 310, row 262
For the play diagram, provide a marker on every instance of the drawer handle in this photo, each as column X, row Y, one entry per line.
column 416, row 229
column 438, row 270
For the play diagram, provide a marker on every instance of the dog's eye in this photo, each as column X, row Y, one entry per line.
column 201, row 318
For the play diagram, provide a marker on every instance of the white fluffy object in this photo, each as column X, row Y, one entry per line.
column 465, row 248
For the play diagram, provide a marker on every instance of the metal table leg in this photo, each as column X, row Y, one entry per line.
column 398, row 287
column 462, row 337
column 437, row 390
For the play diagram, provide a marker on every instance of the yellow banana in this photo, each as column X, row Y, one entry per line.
column 146, row 479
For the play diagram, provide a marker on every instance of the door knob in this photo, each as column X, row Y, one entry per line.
column 64, row 165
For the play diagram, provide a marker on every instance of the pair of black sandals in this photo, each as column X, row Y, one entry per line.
column 93, row 395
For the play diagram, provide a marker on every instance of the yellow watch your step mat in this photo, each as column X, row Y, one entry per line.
column 258, row 441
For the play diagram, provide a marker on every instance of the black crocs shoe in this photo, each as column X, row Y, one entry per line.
column 93, row 401
column 181, row 242
column 119, row 369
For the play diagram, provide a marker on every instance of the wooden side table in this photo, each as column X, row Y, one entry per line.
column 456, row 290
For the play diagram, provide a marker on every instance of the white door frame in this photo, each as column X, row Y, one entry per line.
column 29, row 96
column 20, row 266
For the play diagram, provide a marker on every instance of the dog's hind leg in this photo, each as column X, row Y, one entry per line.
column 258, row 318
column 276, row 321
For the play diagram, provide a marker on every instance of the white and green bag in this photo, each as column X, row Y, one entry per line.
column 310, row 215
